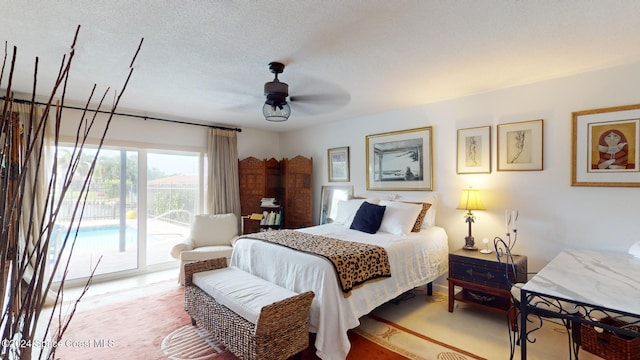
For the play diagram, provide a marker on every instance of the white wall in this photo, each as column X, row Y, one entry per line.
column 258, row 143
column 553, row 214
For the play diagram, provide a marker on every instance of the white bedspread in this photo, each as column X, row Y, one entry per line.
column 415, row 260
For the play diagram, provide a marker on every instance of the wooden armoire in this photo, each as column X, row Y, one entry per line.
column 288, row 180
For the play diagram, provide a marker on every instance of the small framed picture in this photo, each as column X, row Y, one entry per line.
column 338, row 164
column 520, row 146
column 474, row 150
column 605, row 145
column 400, row 160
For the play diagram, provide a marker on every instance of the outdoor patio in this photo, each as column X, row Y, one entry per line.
column 104, row 245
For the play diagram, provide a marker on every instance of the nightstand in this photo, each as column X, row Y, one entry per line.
column 482, row 279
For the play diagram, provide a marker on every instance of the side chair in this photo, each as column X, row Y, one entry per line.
column 544, row 307
column 211, row 237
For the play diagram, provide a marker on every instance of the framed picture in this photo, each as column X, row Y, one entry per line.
column 338, row 164
column 605, row 147
column 329, row 198
column 474, row 150
column 520, row 146
column 400, row 160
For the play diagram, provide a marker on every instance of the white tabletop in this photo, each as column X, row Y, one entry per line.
column 605, row 279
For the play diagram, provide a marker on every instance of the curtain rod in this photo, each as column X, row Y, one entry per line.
column 21, row 101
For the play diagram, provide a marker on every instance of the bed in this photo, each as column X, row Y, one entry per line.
column 415, row 258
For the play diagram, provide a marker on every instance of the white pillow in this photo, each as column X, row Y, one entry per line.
column 399, row 217
column 209, row 230
column 347, row 210
column 430, row 198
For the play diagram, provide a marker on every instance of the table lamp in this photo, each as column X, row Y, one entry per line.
column 470, row 200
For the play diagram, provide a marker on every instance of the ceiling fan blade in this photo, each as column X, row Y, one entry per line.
column 236, row 100
column 306, row 109
column 314, row 104
column 328, row 99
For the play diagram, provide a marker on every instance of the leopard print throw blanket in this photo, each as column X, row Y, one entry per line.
column 355, row 263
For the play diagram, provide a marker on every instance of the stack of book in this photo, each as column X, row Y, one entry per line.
column 270, row 218
column 268, row 202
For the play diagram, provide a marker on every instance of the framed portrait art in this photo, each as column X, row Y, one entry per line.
column 338, row 164
column 474, row 150
column 520, row 146
column 605, row 145
column 400, row 160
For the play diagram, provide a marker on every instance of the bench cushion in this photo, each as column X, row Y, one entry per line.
column 243, row 293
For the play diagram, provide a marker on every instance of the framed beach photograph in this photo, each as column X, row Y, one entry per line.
column 605, row 145
column 338, row 164
column 520, row 146
column 474, row 150
column 400, row 160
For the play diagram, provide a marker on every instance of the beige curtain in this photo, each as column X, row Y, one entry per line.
column 223, row 186
column 35, row 218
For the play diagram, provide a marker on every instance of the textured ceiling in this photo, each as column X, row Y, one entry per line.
column 206, row 61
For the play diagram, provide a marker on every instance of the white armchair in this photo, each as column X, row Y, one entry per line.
column 211, row 237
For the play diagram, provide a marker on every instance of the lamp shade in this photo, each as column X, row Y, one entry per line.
column 470, row 200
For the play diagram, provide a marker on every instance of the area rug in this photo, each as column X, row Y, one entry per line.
column 128, row 329
column 409, row 343
column 157, row 327
column 471, row 331
column 193, row 343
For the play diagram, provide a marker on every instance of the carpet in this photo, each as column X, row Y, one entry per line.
column 157, row 327
column 481, row 333
column 129, row 329
column 411, row 344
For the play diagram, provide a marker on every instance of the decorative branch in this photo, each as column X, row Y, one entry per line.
column 27, row 224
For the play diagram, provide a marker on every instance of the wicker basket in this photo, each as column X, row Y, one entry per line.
column 608, row 345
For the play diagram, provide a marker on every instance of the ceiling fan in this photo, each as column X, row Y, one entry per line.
column 276, row 107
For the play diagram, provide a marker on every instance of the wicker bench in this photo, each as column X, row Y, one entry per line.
column 253, row 326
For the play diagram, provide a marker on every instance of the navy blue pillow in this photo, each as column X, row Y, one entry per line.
column 368, row 218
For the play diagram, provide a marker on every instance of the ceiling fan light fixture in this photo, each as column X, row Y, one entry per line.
column 276, row 112
column 276, row 107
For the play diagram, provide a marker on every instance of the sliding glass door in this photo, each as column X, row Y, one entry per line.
column 140, row 203
column 172, row 201
column 107, row 231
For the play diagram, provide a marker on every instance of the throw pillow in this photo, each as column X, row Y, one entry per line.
column 368, row 218
column 421, row 217
column 347, row 210
column 399, row 217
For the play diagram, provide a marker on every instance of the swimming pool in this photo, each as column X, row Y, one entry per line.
column 97, row 237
